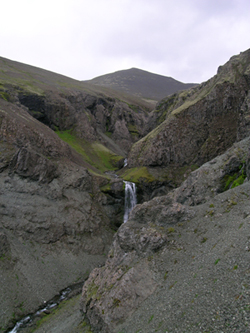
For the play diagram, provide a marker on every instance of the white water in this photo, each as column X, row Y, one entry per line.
column 50, row 305
column 130, row 199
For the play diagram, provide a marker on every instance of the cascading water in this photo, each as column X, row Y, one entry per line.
column 130, row 199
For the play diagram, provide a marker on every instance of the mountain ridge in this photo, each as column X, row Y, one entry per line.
column 142, row 83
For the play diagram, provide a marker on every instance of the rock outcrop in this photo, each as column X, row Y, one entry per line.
column 55, row 225
column 200, row 123
column 65, row 104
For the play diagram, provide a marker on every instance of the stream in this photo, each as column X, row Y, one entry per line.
column 51, row 304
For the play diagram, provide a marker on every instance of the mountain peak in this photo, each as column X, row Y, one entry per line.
column 139, row 82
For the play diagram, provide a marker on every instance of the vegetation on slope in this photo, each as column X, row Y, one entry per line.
column 97, row 155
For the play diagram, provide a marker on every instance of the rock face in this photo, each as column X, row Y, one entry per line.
column 54, row 219
column 178, row 256
column 65, row 104
column 198, row 124
column 88, row 115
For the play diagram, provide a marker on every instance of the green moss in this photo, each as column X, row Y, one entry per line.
column 239, row 181
column 150, row 319
column 136, row 175
column 216, row 261
column 228, row 181
column 133, row 129
column 106, row 188
column 231, row 181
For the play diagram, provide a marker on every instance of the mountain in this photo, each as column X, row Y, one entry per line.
column 181, row 261
column 141, row 83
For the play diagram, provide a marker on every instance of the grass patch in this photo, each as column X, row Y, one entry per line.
column 136, row 175
column 4, row 95
column 239, row 181
column 133, row 129
column 93, row 153
column 216, row 261
column 231, row 181
column 150, row 319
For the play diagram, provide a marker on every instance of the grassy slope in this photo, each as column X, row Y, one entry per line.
column 37, row 80
column 95, row 154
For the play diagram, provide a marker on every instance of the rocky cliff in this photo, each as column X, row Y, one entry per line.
column 55, row 222
column 201, row 123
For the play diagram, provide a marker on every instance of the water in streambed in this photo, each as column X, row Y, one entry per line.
column 64, row 294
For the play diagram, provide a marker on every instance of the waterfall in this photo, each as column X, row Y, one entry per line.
column 130, row 199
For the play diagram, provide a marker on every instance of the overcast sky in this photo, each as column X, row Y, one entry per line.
column 184, row 39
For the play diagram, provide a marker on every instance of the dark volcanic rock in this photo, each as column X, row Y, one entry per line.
column 88, row 115
column 52, row 213
column 198, row 124
column 29, row 164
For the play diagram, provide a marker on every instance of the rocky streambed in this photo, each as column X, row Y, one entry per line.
column 31, row 321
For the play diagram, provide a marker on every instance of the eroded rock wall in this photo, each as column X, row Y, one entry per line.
column 198, row 124
column 54, row 226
